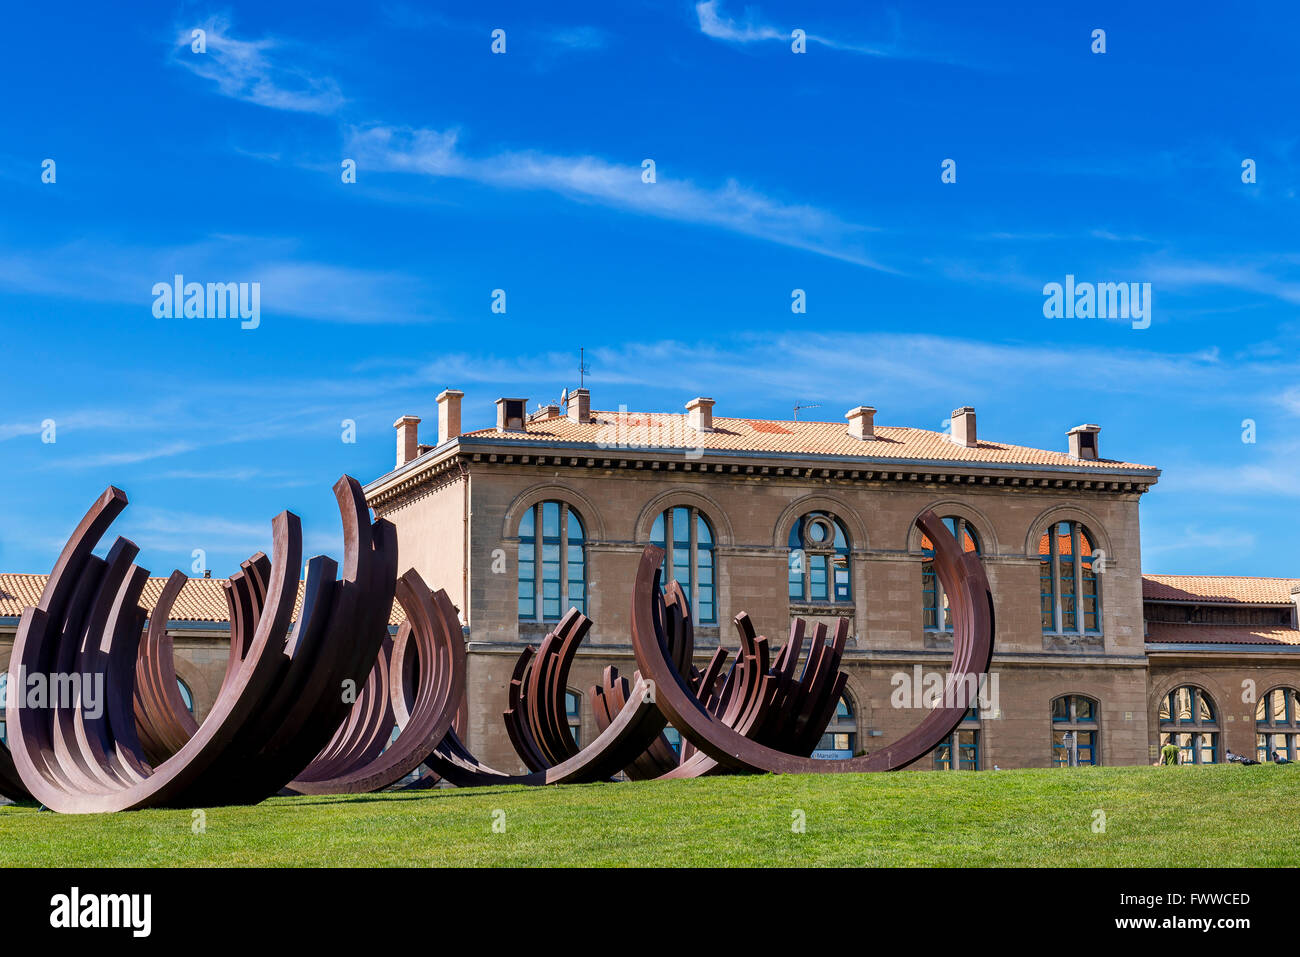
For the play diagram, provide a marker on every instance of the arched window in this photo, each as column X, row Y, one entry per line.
column 552, row 562
column 1070, row 591
column 1189, row 720
column 936, row 614
column 1277, row 725
column 819, row 559
column 573, row 711
column 4, row 695
column 186, row 695
column 1074, row 731
column 686, row 537
column 841, row 736
column 960, row 751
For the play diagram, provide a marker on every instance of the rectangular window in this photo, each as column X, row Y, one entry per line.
column 836, row 741
column 841, row 578
column 1061, row 750
column 527, row 580
column 1091, row 611
column 965, row 743
column 577, row 594
column 704, row 606
column 943, row 756
column 1047, row 593
column 550, row 580
column 930, row 596
column 1068, row 616
column 968, row 750
column 817, row 577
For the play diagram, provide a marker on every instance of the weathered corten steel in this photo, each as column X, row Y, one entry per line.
column 537, row 722
column 417, row 685
column 743, row 737
column 162, row 720
column 279, row 705
column 281, row 719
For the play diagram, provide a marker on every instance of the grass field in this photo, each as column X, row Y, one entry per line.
column 1192, row 816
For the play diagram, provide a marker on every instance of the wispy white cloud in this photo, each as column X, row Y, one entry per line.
column 751, row 29
column 104, row 271
column 730, row 206
column 1224, row 541
column 584, row 38
column 1290, row 400
column 131, row 457
column 244, row 70
column 1250, row 277
column 1272, row 474
column 898, row 366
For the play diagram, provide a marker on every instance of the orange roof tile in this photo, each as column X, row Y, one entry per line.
column 202, row 599
column 632, row 430
column 1218, row 588
column 1159, row 632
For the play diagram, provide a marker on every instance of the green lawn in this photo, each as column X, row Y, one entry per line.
column 1199, row 816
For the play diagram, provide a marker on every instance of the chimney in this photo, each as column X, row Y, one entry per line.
column 963, row 426
column 512, row 415
column 699, row 414
column 449, row 414
column 408, row 442
column 862, row 422
column 1083, row 441
column 580, row 405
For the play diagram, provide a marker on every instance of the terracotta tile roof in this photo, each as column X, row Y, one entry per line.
column 1218, row 588
column 202, row 599
column 1189, row 634
column 669, row 430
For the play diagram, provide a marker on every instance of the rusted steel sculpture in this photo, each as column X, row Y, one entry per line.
column 280, row 702
column 281, row 719
column 537, row 723
column 417, row 685
column 767, row 716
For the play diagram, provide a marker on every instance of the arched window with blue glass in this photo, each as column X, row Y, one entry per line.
column 1069, row 569
column 552, row 562
column 187, row 695
column 1074, row 731
column 1277, row 725
column 1189, row 720
column 686, row 536
column 819, row 560
column 936, row 615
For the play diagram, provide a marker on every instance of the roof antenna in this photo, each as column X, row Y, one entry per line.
column 798, row 407
column 582, row 367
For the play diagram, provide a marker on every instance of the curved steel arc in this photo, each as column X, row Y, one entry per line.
column 963, row 579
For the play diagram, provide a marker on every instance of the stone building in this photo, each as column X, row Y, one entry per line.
column 551, row 508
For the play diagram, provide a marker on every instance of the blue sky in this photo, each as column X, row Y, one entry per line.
column 522, row 172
